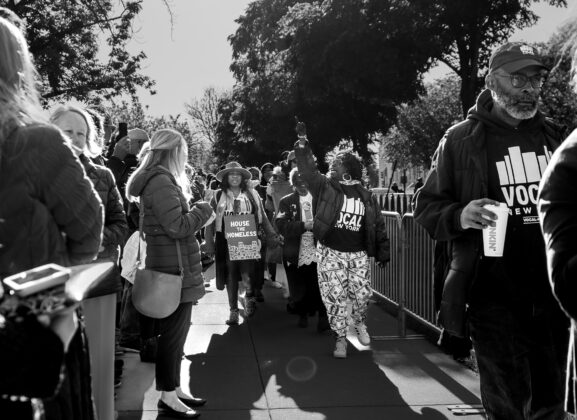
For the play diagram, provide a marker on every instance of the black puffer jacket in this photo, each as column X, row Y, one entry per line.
column 115, row 225
column 329, row 198
column 44, row 193
column 167, row 217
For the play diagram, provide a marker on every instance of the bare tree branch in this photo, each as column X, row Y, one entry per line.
column 203, row 114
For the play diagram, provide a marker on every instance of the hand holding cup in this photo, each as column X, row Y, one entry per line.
column 476, row 216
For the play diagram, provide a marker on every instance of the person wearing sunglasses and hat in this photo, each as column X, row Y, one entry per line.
column 235, row 197
column 505, row 304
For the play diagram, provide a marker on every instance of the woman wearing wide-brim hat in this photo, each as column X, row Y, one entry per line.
column 233, row 167
column 235, row 197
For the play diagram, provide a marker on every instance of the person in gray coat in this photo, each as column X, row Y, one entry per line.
column 160, row 184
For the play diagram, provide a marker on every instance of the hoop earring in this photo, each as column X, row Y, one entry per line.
column 347, row 178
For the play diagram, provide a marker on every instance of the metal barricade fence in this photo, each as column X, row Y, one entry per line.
column 418, row 253
column 386, row 281
column 396, row 202
column 407, row 280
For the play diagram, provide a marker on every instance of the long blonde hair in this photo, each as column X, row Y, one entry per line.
column 19, row 104
column 166, row 147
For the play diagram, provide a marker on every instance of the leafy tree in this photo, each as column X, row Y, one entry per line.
column 558, row 98
column 422, row 123
column 134, row 114
column 64, row 38
column 229, row 144
column 335, row 64
column 471, row 29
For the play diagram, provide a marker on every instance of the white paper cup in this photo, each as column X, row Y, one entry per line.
column 494, row 237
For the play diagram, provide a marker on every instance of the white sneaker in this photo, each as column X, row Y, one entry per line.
column 362, row 334
column 274, row 284
column 340, row 351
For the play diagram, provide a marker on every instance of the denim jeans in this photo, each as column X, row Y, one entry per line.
column 521, row 353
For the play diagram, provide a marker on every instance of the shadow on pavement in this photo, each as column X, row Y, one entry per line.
column 291, row 373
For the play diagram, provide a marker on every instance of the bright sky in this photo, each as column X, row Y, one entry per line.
column 196, row 53
column 192, row 56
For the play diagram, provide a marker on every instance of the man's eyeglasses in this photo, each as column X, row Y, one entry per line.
column 519, row 80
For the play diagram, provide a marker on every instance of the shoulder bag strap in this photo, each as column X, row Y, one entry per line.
column 140, row 224
column 179, row 258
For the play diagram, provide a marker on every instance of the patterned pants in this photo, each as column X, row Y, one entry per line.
column 342, row 276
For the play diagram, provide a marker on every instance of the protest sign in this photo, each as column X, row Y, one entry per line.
column 241, row 235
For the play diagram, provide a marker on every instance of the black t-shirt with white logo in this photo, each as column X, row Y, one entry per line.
column 348, row 233
column 516, row 163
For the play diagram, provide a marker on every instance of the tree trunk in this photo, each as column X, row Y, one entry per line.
column 468, row 92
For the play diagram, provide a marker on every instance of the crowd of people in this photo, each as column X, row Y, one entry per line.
column 71, row 193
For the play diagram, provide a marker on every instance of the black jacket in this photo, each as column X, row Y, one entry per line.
column 459, row 174
column 558, row 215
column 329, row 198
column 290, row 225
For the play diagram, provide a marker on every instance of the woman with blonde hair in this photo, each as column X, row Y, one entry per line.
column 49, row 213
column 160, row 185
column 78, row 126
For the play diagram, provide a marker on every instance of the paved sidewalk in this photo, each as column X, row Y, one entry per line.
column 268, row 368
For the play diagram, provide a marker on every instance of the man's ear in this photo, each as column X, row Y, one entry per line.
column 490, row 81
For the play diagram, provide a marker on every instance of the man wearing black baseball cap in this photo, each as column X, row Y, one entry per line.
column 498, row 155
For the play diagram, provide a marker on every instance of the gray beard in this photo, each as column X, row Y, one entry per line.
column 509, row 104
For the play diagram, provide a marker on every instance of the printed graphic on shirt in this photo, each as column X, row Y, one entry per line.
column 307, row 211
column 351, row 215
column 519, row 176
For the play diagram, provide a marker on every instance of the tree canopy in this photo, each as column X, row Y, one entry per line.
column 343, row 66
column 336, row 65
column 422, row 123
column 64, row 38
column 558, row 98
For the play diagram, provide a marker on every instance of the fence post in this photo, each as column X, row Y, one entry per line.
column 401, row 315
